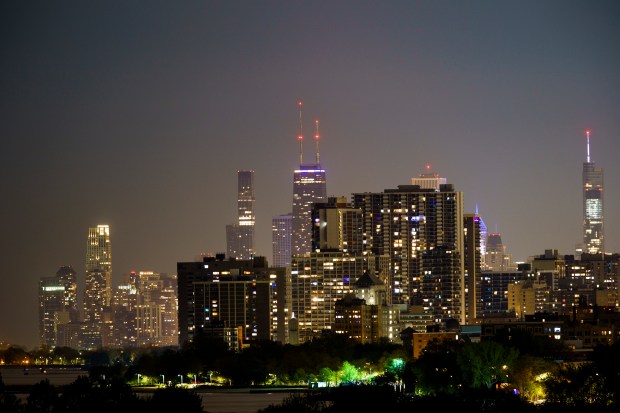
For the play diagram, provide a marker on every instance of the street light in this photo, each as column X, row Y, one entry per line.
column 139, row 375
column 181, row 376
column 163, row 380
column 195, row 380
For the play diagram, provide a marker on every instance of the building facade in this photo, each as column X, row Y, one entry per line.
column 57, row 304
column 421, row 230
column 281, row 235
column 240, row 235
column 309, row 187
column 593, row 231
column 237, row 300
column 98, row 285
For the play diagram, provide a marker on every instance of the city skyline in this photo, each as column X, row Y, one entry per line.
column 141, row 120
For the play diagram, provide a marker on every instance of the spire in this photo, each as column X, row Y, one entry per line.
column 301, row 136
column 316, row 138
column 588, row 146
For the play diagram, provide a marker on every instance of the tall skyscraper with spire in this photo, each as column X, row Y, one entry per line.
column 98, row 288
column 593, row 234
column 240, row 236
column 309, row 187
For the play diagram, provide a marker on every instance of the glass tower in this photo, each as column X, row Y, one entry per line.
column 309, row 187
column 240, row 236
column 593, row 238
column 98, row 288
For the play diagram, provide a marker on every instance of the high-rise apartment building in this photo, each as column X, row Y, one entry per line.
column 240, row 236
column 473, row 264
column 421, row 230
column 319, row 280
column 98, row 286
column 281, row 235
column 156, row 309
column 593, row 233
column 309, row 187
column 57, row 304
column 236, row 300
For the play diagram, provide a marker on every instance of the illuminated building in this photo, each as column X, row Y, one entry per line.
column 357, row 320
column 496, row 258
column 429, row 180
column 98, row 286
column 57, row 304
column 240, row 236
column 337, row 226
column 319, row 280
column 309, row 187
column 472, row 256
column 281, row 234
column 421, row 230
column 239, row 301
column 593, row 234
column 156, row 309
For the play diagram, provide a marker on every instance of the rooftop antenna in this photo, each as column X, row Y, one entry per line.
column 316, row 138
column 301, row 136
column 588, row 146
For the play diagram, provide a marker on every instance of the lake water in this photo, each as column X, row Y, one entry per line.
column 217, row 401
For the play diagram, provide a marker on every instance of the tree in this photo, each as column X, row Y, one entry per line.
column 486, row 363
column 42, row 398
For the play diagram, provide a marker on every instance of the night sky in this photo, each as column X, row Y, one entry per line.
column 138, row 115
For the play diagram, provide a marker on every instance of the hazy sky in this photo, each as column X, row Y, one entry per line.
column 138, row 115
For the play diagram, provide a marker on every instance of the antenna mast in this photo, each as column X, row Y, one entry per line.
column 316, row 138
column 588, row 146
column 301, row 136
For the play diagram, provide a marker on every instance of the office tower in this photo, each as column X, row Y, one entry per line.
column 123, row 308
column 57, row 304
column 337, row 226
column 98, row 287
column 593, row 233
column 472, row 255
column 496, row 257
column 421, row 230
column 309, row 187
column 236, row 300
column 281, row 234
column 240, row 236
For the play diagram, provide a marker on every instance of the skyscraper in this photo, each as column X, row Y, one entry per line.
column 240, row 236
column 593, row 234
column 98, row 288
column 309, row 187
column 281, row 233
column 421, row 230
column 57, row 304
